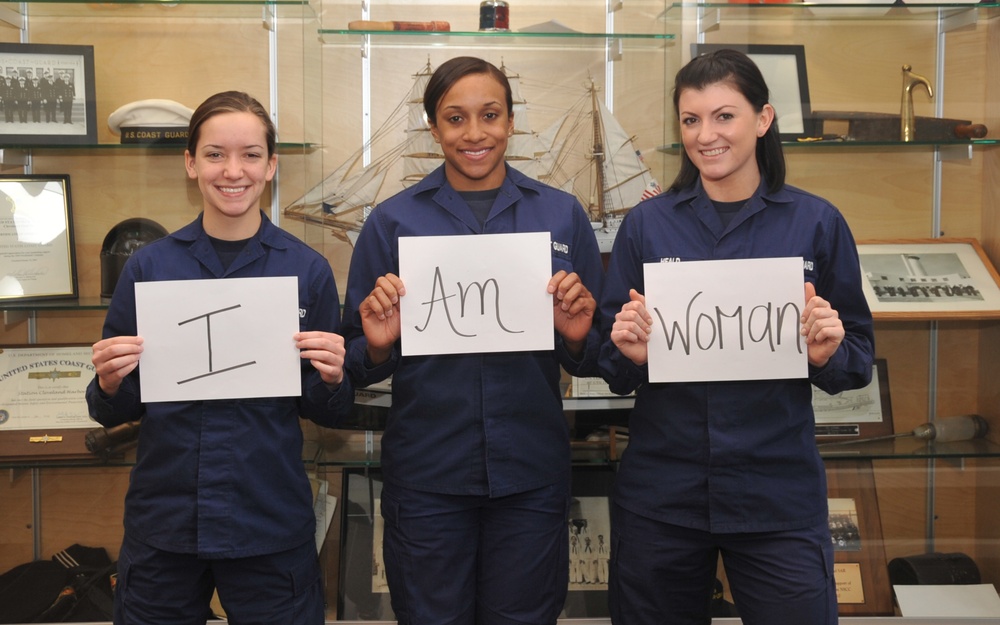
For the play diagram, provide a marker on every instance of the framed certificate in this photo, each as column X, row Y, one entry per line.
column 37, row 255
column 43, row 409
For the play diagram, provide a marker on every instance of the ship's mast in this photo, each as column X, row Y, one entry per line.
column 598, row 154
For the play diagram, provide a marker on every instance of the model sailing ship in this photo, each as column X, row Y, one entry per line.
column 585, row 152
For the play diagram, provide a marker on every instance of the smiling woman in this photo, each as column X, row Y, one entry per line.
column 231, row 153
column 746, row 477
column 472, row 120
column 476, row 535
column 199, row 514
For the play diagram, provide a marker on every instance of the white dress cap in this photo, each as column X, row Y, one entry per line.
column 149, row 113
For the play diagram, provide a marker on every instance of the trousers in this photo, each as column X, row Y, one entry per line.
column 470, row 560
column 157, row 587
column 663, row 573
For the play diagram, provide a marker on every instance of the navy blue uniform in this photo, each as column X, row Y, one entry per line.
column 218, row 481
column 484, row 426
column 731, row 458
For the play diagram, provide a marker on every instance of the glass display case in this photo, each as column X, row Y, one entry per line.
column 339, row 85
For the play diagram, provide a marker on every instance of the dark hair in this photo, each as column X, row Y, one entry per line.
column 230, row 102
column 450, row 72
column 738, row 70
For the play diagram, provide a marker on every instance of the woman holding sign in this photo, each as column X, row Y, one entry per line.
column 218, row 498
column 475, row 455
column 728, row 467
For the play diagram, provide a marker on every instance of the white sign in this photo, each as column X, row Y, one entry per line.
column 948, row 601
column 218, row 339
column 726, row 320
column 476, row 293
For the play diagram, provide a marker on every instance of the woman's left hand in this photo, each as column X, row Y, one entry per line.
column 821, row 326
column 325, row 351
column 573, row 309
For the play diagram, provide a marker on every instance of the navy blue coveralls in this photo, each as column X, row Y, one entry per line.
column 711, row 464
column 219, row 487
column 484, row 433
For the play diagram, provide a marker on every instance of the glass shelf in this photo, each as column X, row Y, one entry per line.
column 160, row 11
column 909, row 448
column 358, row 453
column 513, row 39
column 311, row 453
column 354, row 452
column 114, row 147
column 353, row 449
column 831, row 11
column 83, row 303
column 674, row 148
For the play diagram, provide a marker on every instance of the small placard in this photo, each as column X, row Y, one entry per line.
column 148, row 135
column 849, row 583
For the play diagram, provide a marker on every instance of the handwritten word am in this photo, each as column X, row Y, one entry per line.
column 440, row 296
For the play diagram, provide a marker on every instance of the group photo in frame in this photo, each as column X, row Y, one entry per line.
column 47, row 94
column 929, row 279
column 784, row 71
column 37, row 251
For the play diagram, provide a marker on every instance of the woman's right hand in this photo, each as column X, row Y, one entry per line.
column 632, row 327
column 380, row 317
column 114, row 359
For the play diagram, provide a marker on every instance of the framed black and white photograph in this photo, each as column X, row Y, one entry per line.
column 784, row 70
column 929, row 279
column 47, row 94
column 37, row 255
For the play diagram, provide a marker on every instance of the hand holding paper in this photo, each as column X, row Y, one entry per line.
column 822, row 327
column 632, row 327
column 325, row 351
column 573, row 308
column 380, row 317
column 114, row 359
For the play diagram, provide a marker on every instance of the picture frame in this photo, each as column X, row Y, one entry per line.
column 860, row 573
column 855, row 414
column 784, row 69
column 947, row 278
column 37, row 251
column 43, row 409
column 40, row 114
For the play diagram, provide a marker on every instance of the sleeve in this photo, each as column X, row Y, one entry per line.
column 588, row 265
column 126, row 405
column 320, row 403
column 840, row 283
column 374, row 256
column 624, row 273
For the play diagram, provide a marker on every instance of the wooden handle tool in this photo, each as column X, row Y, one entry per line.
column 396, row 25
